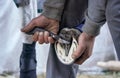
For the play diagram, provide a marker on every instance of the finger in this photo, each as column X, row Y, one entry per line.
column 35, row 36
column 41, row 38
column 46, row 35
column 83, row 57
column 51, row 40
column 29, row 27
column 79, row 51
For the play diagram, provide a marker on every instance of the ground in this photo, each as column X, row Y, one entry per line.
column 105, row 75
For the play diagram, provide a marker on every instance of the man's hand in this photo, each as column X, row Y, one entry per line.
column 84, row 49
column 47, row 23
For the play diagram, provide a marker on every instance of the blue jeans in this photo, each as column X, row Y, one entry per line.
column 28, row 61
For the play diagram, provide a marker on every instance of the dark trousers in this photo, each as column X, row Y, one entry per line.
column 28, row 61
column 115, row 33
column 55, row 69
column 113, row 20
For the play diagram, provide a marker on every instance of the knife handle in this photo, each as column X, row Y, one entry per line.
column 40, row 29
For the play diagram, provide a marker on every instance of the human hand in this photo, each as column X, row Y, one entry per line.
column 84, row 49
column 46, row 23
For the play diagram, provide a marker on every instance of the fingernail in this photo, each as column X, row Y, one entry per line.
column 40, row 33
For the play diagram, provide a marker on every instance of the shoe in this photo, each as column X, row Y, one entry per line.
column 110, row 65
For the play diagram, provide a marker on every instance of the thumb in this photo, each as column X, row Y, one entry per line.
column 29, row 27
column 79, row 51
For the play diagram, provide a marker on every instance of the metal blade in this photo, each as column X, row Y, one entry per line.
column 63, row 41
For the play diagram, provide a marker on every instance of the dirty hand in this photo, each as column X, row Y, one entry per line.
column 84, row 49
column 46, row 23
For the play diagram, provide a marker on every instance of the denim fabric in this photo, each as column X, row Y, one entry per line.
column 28, row 61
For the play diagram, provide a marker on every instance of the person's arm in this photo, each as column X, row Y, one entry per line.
column 95, row 17
column 53, row 9
column 49, row 20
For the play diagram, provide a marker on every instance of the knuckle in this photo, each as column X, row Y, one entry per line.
column 34, row 21
column 82, row 46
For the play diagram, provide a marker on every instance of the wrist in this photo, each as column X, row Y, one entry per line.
column 88, row 36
